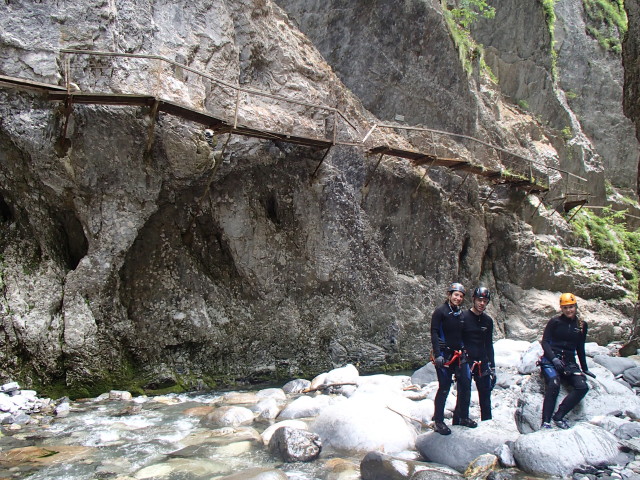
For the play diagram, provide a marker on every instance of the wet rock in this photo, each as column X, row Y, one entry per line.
column 256, row 474
column 240, row 398
column 296, row 386
column 277, row 394
column 267, row 409
column 120, row 395
column 380, row 466
column 269, row 431
column 559, row 452
column 53, row 454
column 228, row 416
column 505, row 454
column 293, row 445
column 480, row 468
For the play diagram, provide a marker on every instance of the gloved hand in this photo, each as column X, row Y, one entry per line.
column 493, row 377
column 559, row 364
column 439, row 361
column 587, row 372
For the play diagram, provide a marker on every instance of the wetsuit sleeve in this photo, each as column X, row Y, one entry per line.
column 546, row 340
column 582, row 356
column 489, row 344
column 436, row 324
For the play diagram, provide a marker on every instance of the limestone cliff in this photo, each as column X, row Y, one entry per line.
column 135, row 249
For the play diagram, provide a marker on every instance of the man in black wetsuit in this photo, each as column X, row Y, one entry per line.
column 448, row 358
column 477, row 337
column 563, row 337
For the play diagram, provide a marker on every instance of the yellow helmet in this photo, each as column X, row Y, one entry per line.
column 567, row 299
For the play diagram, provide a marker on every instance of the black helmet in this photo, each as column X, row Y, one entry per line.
column 456, row 287
column 482, row 292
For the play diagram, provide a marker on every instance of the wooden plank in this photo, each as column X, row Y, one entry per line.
column 22, row 83
column 122, row 99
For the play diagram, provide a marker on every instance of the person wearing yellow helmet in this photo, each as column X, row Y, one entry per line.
column 563, row 338
column 446, row 350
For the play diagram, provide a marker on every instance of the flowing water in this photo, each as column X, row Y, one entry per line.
column 145, row 438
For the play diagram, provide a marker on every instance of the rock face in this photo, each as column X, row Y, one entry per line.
column 138, row 251
column 630, row 55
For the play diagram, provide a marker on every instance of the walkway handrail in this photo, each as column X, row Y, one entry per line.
column 213, row 79
column 459, row 135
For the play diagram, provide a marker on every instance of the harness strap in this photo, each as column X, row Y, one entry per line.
column 457, row 354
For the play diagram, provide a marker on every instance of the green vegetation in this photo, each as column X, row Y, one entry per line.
column 567, row 133
column 559, row 256
column 459, row 20
column 606, row 22
column 548, row 6
column 523, row 104
column 612, row 241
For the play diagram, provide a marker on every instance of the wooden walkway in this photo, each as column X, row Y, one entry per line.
column 219, row 125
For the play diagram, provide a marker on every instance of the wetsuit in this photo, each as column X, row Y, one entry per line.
column 446, row 326
column 563, row 337
column 477, row 337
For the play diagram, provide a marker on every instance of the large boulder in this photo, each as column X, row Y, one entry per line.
column 606, row 397
column 307, row 406
column 464, row 445
column 529, row 359
column 615, row 365
column 559, row 452
column 295, row 445
column 229, row 416
column 364, row 423
column 508, row 352
column 424, row 375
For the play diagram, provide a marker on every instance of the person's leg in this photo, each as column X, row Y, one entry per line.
column 551, row 391
column 483, row 384
column 463, row 385
column 445, row 379
column 580, row 388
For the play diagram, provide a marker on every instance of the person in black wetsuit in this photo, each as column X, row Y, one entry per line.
column 446, row 343
column 477, row 337
column 563, row 337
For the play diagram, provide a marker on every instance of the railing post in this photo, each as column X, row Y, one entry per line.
column 235, row 113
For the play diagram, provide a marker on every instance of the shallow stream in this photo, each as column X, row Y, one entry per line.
column 147, row 438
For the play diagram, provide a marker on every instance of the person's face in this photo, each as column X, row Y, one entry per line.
column 480, row 304
column 569, row 310
column 456, row 298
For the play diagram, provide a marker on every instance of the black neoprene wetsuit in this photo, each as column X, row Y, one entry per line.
column 477, row 337
column 563, row 338
column 446, row 339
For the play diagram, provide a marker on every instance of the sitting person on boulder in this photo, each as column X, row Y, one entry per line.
column 563, row 337
column 448, row 358
column 477, row 337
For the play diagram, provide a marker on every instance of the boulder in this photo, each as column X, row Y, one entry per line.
column 267, row 409
column 559, row 452
column 480, row 468
column 628, row 430
column 363, row 423
column 632, row 376
column 592, row 349
column 508, row 352
column 258, row 473
column 298, row 385
column 505, row 455
column 606, row 397
column 425, row 375
column 379, row 466
column 229, row 416
column 464, row 445
column 295, row 445
column 338, row 376
column 615, row 365
column 307, row 406
column 528, row 361
column 269, row 431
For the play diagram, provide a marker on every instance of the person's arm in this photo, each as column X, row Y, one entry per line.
column 489, row 344
column 436, row 324
column 546, row 338
column 582, row 356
